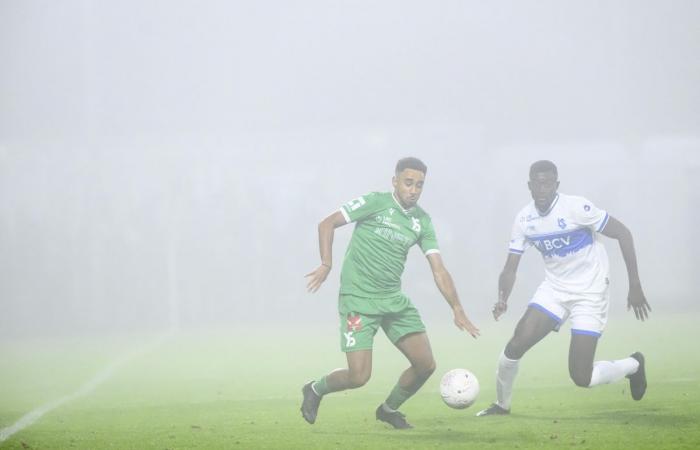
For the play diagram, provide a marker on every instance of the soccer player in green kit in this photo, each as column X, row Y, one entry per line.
column 388, row 224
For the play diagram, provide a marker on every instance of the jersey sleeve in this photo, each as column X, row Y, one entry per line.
column 361, row 207
column 518, row 242
column 587, row 214
column 428, row 239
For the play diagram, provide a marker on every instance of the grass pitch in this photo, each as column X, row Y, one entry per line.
column 241, row 389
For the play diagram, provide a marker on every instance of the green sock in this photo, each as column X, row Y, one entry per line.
column 397, row 397
column 320, row 387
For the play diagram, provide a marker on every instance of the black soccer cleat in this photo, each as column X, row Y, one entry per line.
column 638, row 380
column 395, row 418
column 493, row 410
column 309, row 407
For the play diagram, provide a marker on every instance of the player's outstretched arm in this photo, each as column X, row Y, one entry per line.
column 506, row 280
column 444, row 282
column 326, row 230
column 635, row 299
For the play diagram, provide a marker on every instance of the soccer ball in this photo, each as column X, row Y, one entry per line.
column 459, row 388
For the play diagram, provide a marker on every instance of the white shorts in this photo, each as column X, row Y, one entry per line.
column 588, row 312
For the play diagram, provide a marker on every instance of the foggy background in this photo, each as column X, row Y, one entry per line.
column 165, row 163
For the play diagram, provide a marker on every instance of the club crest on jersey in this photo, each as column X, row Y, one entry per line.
column 415, row 224
column 354, row 322
column 561, row 223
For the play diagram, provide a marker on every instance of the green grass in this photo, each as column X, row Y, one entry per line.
column 241, row 389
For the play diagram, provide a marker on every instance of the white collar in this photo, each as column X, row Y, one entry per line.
column 398, row 203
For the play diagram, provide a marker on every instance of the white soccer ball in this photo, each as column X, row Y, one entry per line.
column 459, row 388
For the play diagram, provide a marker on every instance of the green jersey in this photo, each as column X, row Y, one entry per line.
column 384, row 233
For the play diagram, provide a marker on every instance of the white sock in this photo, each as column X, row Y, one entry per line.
column 387, row 409
column 505, row 376
column 605, row 372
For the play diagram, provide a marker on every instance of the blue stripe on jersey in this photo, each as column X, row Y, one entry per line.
column 517, row 252
column 585, row 332
column 539, row 307
column 562, row 244
column 605, row 222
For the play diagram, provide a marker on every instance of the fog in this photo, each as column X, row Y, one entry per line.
column 165, row 164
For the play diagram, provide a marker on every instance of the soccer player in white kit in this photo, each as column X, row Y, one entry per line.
column 564, row 229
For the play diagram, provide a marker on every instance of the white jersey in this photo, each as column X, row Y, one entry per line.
column 574, row 260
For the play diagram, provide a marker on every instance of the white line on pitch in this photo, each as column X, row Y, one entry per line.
column 104, row 374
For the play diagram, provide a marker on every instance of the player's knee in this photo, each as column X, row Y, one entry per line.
column 358, row 379
column 431, row 367
column 514, row 349
column 581, row 378
column 426, row 368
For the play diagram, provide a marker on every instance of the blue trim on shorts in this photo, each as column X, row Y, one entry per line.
column 539, row 307
column 605, row 222
column 586, row 332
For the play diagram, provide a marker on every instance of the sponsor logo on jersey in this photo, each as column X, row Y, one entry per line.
column 563, row 244
column 393, row 235
column 349, row 339
column 352, row 205
column 386, row 221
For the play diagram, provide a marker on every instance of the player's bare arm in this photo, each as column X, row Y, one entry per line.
column 506, row 280
column 326, row 231
column 444, row 282
column 635, row 300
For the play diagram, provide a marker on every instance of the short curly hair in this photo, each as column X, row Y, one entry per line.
column 411, row 163
column 543, row 166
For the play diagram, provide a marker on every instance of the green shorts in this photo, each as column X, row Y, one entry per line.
column 360, row 318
